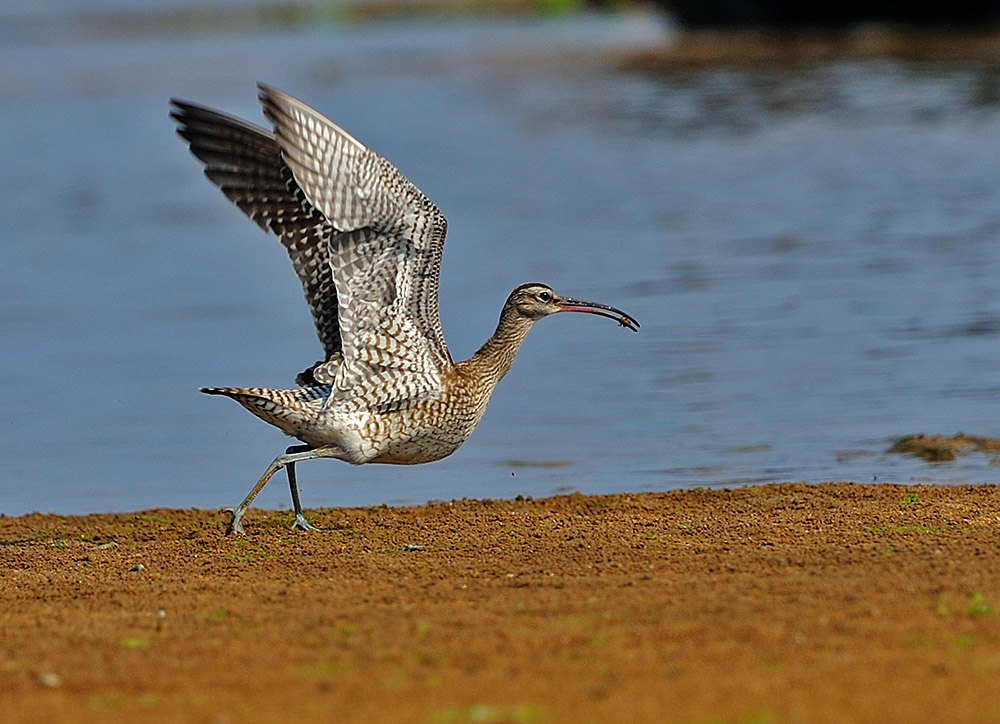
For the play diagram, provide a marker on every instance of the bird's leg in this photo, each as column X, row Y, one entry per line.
column 292, row 455
column 300, row 519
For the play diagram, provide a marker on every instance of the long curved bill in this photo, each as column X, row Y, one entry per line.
column 575, row 305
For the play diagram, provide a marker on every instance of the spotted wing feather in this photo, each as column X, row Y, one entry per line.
column 245, row 162
column 385, row 257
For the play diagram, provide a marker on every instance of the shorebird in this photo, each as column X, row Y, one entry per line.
column 366, row 245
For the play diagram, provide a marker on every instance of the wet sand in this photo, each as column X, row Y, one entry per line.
column 781, row 603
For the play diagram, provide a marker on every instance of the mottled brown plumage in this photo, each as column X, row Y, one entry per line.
column 366, row 245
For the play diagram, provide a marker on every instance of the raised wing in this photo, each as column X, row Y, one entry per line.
column 385, row 258
column 245, row 162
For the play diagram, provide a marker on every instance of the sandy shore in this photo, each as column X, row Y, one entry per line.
column 782, row 603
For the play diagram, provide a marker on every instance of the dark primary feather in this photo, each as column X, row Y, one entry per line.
column 245, row 162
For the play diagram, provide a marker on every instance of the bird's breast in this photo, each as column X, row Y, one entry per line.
column 423, row 433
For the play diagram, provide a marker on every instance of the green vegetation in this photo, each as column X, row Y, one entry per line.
column 152, row 518
column 978, row 605
column 136, row 642
column 963, row 641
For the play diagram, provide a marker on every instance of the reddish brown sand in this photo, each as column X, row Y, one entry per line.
column 782, row 603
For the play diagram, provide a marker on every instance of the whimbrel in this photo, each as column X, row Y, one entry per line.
column 366, row 245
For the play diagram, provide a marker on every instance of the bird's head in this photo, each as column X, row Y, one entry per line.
column 535, row 301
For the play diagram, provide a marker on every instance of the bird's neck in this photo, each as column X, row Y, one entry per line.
column 493, row 360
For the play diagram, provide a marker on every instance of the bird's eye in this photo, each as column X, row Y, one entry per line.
column 545, row 296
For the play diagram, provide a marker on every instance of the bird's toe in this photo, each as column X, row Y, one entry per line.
column 235, row 526
column 302, row 524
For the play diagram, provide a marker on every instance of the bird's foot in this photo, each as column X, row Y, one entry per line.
column 302, row 524
column 235, row 526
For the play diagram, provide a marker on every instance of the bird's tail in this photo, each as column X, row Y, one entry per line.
column 287, row 410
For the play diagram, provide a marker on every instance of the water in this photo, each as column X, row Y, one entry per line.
column 812, row 253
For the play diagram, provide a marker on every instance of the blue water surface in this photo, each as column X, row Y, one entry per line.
column 813, row 253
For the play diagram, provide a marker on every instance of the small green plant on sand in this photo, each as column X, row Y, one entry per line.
column 979, row 605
